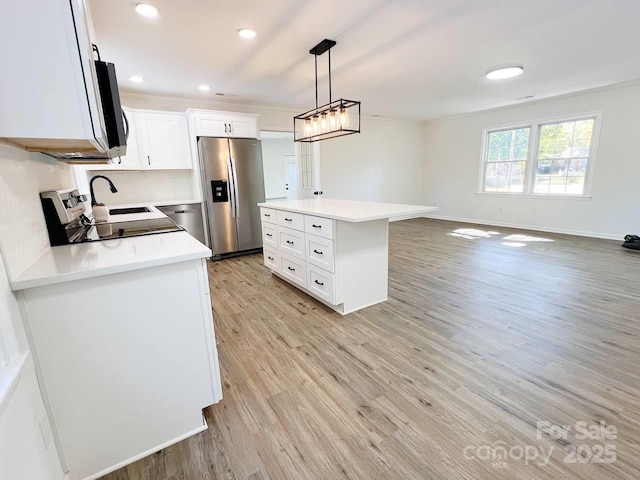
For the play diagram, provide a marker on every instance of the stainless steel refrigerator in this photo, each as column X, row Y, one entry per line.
column 233, row 184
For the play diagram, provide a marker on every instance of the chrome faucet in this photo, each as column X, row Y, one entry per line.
column 93, row 197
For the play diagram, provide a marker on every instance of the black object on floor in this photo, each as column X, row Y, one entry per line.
column 632, row 245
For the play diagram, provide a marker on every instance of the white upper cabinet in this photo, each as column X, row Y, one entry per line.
column 48, row 89
column 164, row 140
column 130, row 161
column 209, row 123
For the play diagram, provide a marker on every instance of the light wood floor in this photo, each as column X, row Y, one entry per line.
column 482, row 337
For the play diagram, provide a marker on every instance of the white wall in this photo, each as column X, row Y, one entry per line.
column 274, row 170
column 161, row 187
column 453, row 151
column 383, row 163
column 23, row 237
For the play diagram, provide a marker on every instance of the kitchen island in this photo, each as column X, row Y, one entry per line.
column 123, row 340
column 335, row 250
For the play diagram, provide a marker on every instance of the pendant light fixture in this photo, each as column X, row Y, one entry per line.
column 335, row 119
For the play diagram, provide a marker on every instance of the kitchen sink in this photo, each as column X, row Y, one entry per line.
column 127, row 211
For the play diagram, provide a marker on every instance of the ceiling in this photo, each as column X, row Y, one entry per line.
column 414, row 59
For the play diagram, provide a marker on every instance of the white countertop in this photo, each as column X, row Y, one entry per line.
column 349, row 210
column 66, row 263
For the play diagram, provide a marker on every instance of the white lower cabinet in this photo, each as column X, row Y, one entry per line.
column 321, row 283
column 128, row 369
column 291, row 242
column 343, row 264
column 270, row 235
column 320, row 252
column 271, row 258
column 294, row 269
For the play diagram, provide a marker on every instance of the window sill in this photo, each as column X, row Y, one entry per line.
column 557, row 196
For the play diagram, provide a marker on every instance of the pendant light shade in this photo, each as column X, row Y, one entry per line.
column 335, row 119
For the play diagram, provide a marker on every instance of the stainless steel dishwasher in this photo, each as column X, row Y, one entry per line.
column 188, row 216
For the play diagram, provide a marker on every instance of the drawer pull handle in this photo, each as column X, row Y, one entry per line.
column 292, row 269
column 319, row 283
column 267, row 214
column 269, row 235
column 316, row 251
column 316, row 226
column 270, row 258
column 289, row 242
column 288, row 219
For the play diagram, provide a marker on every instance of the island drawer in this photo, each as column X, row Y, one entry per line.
column 271, row 258
column 268, row 215
column 290, row 220
column 270, row 235
column 320, row 252
column 293, row 269
column 321, row 283
column 291, row 242
column 320, row 226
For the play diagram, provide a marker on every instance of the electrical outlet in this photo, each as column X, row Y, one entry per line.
column 45, row 429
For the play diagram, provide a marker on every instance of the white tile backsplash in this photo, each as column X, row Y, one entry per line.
column 23, row 175
column 150, row 186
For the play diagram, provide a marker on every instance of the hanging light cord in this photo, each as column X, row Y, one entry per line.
column 315, row 57
column 329, row 76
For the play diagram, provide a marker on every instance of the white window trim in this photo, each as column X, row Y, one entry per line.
column 534, row 133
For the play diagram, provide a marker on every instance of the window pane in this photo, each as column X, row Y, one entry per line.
column 575, row 185
column 563, row 151
column 504, row 177
column 578, row 167
column 516, row 179
column 508, row 145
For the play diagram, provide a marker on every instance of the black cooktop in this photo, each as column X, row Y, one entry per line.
column 134, row 228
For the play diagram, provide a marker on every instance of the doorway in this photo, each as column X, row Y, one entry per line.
column 280, row 165
column 290, row 166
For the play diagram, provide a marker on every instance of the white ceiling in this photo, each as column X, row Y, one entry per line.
column 417, row 59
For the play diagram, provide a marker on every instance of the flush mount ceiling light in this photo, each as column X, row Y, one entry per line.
column 246, row 33
column 335, row 119
column 136, row 79
column 146, row 10
column 500, row 73
column 204, row 88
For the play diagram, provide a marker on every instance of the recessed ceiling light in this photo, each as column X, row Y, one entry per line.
column 500, row 73
column 136, row 79
column 204, row 88
column 146, row 10
column 246, row 33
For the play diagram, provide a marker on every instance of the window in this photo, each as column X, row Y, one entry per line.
column 506, row 160
column 546, row 158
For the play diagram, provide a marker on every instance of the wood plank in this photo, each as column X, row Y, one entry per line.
column 479, row 341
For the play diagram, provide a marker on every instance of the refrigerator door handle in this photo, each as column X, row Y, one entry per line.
column 232, row 188
column 236, row 197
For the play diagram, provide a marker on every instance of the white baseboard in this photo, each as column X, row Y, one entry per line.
column 564, row 231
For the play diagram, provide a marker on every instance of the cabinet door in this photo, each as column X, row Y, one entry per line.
column 211, row 126
column 130, row 161
column 242, row 127
column 165, row 141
